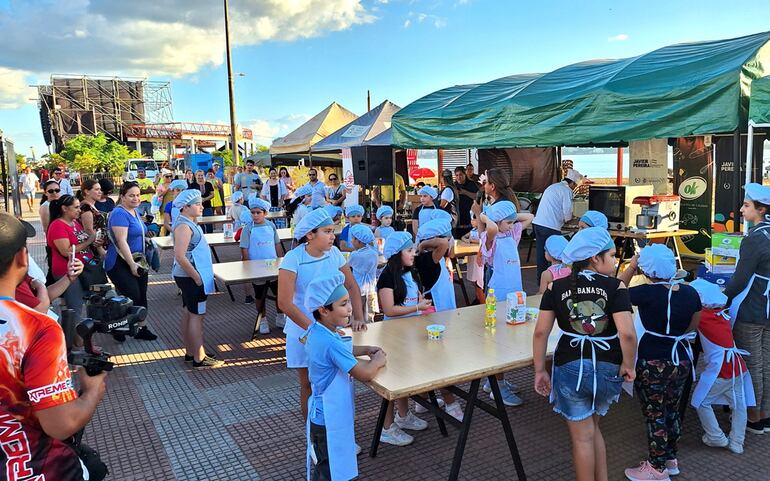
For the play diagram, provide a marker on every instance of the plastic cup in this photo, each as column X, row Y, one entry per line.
column 435, row 331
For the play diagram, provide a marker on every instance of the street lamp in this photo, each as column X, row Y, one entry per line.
column 230, row 85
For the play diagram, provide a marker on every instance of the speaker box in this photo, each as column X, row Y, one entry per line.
column 372, row 165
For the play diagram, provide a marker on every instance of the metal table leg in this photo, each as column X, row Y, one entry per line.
column 502, row 415
column 466, row 426
column 456, row 264
column 378, row 427
column 439, row 419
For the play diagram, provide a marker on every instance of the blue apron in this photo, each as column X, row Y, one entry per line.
column 506, row 274
column 261, row 241
column 425, row 214
column 339, row 418
column 412, row 295
column 443, row 291
column 736, row 302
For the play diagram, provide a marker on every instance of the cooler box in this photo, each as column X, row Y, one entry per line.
column 724, row 244
column 718, row 279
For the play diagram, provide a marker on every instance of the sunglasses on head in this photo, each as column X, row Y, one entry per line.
column 53, row 191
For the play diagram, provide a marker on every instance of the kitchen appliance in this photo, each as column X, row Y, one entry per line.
column 659, row 213
column 616, row 202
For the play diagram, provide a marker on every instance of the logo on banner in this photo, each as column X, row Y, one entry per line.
column 692, row 188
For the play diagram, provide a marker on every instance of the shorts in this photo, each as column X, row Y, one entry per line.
column 29, row 194
column 260, row 290
column 193, row 295
column 575, row 404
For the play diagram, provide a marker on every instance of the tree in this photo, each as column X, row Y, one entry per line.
column 226, row 156
column 21, row 161
column 87, row 153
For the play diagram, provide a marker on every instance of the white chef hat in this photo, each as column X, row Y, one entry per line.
column 312, row 220
column 384, row 211
column 187, row 197
column 757, row 192
column 327, row 288
column 595, row 219
column 433, row 228
column 258, row 203
column 428, row 190
column 362, row 232
column 354, row 209
column 500, row 211
column 555, row 245
column 586, row 244
column 574, row 175
column 439, row 214
column 657, row 261
column 710, row 294
column 395, row 243
column 237, row 196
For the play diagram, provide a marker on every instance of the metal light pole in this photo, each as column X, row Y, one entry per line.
column 230, row 86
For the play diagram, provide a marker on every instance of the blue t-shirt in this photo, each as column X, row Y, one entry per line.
column 120, row 217
column 244, row 182
column 326, row 354
column 313, row 267
column 651, row 301
column 168, row 207
column 345, row 234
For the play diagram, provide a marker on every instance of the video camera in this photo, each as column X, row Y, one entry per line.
column 107, row 313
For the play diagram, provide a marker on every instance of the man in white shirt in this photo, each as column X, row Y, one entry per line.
column 28, row 184
column 553, row 211
column 64, row 184
column 318, row 187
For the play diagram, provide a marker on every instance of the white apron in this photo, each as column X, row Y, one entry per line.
column 715, row 357
column 443, row 291
column 339, row 416
column 261, row 242
column 412, row 295
column 735, row 305
column 506, row 273
column 200, row 256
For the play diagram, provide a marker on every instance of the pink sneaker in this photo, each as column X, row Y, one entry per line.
column 645, row 472
column 672, row 465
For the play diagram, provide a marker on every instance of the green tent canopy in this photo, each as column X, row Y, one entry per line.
column 675, row 91
column 759, row 104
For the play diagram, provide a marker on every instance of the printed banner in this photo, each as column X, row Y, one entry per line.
column 351, row 189
column 649, row 164
column 693, row 174
column 724, row 194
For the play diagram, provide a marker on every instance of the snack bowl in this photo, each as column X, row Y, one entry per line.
column 435, row 331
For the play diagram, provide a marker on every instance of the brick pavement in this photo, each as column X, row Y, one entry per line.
column 160, row 420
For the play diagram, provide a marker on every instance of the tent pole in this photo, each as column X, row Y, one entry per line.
column 737, row 178
column 310, row 156
column 749, row 170
column 619, row 177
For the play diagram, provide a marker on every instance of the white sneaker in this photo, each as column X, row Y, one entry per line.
column 511, row 386
column 395, row 436
column 264, row 326
column 410, row 421
column 419, row 409
column 735, row 448
column 721, row 443
column 280, row 320
column 455, row 411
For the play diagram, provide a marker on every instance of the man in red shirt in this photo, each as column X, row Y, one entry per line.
column 39, row 408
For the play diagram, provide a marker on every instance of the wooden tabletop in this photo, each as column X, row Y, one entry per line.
column 213, row 219
column 572, row 228
column 467, row 351
column 465, row 249
column 247, row 271
column 214, row 240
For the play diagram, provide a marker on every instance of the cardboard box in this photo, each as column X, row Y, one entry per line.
column 724, row 244
column 720, row 269
column 717, row 260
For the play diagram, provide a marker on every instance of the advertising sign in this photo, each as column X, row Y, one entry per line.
column 693, row 174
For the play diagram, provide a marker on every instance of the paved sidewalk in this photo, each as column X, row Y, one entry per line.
column 160, row 420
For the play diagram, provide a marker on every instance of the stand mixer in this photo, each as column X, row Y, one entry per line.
column 660, row 213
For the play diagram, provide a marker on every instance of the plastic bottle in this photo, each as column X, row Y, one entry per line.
column 490, row 319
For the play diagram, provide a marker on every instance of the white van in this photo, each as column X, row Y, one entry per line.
column 133, row 165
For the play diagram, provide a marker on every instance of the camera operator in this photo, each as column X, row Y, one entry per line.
column 39, row 408
column 32, row 292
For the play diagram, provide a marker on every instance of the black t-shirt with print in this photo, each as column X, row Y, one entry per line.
column 589, row 311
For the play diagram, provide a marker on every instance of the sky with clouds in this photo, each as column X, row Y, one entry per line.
column 297, row 56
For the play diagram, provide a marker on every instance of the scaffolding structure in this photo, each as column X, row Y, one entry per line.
column 73, row 105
